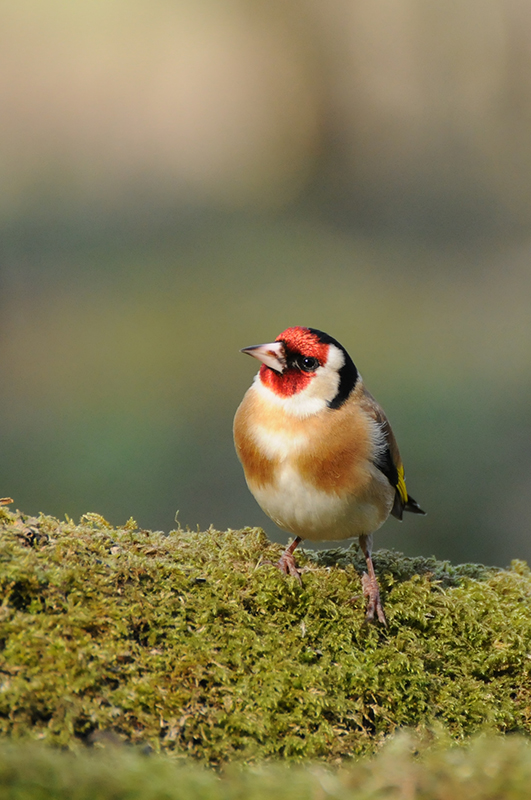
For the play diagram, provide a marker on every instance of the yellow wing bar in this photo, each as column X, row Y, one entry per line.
column 401, row 485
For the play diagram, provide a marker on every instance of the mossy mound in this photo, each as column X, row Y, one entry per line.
column 488, row 768
column 190, row 643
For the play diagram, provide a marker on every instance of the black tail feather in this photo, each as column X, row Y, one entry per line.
column 413, row 506
column 399, row 506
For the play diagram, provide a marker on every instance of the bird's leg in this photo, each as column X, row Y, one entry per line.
column 369, row 583
column 286, row 562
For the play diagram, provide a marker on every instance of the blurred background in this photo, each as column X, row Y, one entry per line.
column 182, row 179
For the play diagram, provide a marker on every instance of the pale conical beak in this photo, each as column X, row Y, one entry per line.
column 272, row 355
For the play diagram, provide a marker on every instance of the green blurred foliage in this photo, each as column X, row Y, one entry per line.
column 122, row 375
column 180, row 180
column 408, row 766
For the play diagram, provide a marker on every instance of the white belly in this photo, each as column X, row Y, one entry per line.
column 301, row 509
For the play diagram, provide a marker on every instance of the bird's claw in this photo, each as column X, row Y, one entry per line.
column 286, row 564
column 371, row 592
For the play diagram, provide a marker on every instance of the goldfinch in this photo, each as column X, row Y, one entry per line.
column 317, row 450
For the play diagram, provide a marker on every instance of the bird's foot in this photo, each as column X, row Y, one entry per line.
column 286, row 564
column 371, row 592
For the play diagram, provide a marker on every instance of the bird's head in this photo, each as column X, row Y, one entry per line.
column 307, row 368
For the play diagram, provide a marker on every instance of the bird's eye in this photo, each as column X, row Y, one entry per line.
column 308, row 363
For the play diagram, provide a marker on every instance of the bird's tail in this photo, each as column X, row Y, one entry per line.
column 410, row 505
column 413, row 506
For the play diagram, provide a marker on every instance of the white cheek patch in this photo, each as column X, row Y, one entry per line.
column 299, row 405
column 325, row 385
column 335, row 359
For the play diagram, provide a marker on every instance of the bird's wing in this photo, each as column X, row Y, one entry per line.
column 388, row 459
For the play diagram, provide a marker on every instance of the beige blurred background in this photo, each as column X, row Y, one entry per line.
column 183, row 179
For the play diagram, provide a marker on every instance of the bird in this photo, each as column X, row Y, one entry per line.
column 317, row 450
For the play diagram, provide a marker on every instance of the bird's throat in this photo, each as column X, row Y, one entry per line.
column 287, row 383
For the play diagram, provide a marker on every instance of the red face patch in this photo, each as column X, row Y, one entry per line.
column 302, row 341
column 297, row 342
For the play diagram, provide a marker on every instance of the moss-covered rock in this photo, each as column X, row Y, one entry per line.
column 189, row 642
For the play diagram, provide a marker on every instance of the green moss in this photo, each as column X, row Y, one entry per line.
column 406, row 767
column 400, row 567
column 190, row 643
